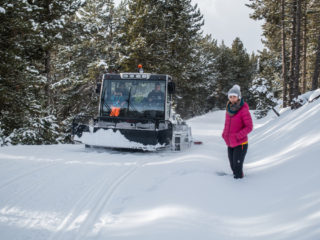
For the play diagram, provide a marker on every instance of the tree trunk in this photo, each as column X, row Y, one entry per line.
column 305, row 48
column 293, row 51
column 296, row 90
column 284, row 57
column 48, row 91
column 315, row 79
column 275, row 111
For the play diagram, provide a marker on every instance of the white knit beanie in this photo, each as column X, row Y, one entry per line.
column 235, row 91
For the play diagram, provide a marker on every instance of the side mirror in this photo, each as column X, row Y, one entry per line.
column 171, row 87
column 98, row 89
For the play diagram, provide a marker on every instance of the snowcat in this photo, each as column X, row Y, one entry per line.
column 135, row 112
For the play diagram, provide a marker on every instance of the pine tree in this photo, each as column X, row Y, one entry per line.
column 266, row 86
column 198, row 97
column 206, row 73
column 13, row 85
column 32, row 30
column 81, row 62
column 243, row 68
column 19, row 78
column 224, row 75
column 263, row 94
column 234, row 66
column 161, row 36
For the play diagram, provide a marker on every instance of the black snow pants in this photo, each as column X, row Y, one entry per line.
column 236, row 158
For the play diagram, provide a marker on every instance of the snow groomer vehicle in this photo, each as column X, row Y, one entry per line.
column 135, row 112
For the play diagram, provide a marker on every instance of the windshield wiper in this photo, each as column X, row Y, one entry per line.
column 106, row 105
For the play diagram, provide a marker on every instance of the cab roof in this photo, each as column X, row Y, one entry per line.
column 136, row 76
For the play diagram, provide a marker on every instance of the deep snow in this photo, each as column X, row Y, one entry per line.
column 68, row 192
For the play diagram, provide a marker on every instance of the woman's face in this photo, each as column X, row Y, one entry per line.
column 233, row 99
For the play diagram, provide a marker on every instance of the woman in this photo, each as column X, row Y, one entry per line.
column 238, row 124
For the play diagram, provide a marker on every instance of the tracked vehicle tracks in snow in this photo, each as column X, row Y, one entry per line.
column 26, row 174
column 86, row 211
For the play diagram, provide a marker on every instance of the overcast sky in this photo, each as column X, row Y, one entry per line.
column 228, row 19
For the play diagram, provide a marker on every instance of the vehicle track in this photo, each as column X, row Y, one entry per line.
column 98, row 196
column 25, row 174
column 34, row 185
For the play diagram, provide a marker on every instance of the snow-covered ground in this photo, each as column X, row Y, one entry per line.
column 68, row 192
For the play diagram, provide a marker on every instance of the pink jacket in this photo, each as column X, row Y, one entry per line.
column 237, row 127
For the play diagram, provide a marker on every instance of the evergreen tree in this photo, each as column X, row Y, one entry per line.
column 266, row 86
column 13, row 84
column 19, row 77
column 234, row 66
column 198, row 97
column 224, row 75
column 243, row 68
column 82, row 61
column 161, row 35
column 205, row 68
column 31, row 29
column 262, row 92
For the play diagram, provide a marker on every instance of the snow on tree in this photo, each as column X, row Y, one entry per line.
column 162, row 36
column 262, row 92
column 81, row 61
column 29, row 32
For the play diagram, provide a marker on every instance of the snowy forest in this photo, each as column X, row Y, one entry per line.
column 53, row 53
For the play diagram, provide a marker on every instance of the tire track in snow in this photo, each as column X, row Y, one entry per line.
column 33, row 186
column 83, row 216
column 25, row 174
column 102, row 203
column 72, row 218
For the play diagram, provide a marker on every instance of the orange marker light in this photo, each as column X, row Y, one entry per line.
column 140, row 68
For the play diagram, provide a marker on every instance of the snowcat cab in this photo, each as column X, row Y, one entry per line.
column 135, row 112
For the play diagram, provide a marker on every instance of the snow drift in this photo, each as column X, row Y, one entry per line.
column 67, row 192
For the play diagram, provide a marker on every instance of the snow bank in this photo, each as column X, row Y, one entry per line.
column 315, row 95
column 2, row 10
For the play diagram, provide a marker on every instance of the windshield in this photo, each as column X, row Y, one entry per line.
column 133, row 99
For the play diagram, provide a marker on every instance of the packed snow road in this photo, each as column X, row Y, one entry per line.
column 67, row 192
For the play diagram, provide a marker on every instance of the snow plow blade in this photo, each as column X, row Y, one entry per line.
column 134, row 135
